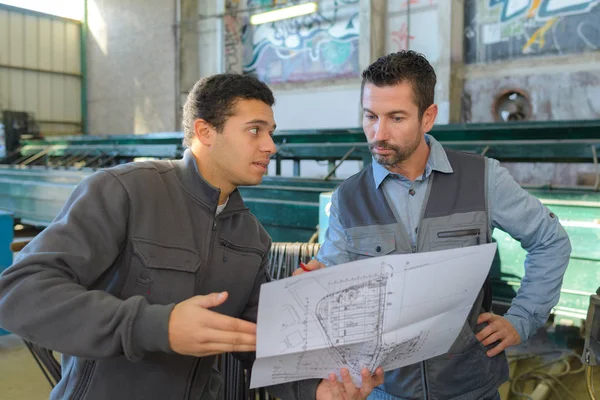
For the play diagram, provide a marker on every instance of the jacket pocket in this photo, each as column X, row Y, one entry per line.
column 454, row 237
column 376, row 245
column 234, row 268
column 162, row 273
column 451, row 374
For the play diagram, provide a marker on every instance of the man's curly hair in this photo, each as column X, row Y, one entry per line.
column 214, row 98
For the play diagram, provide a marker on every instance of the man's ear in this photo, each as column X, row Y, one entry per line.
column 429, row 117
column 204, row 132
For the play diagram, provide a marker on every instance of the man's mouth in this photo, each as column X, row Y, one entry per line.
column 264, row 164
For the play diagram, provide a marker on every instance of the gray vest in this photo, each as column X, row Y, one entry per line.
column 454, row 215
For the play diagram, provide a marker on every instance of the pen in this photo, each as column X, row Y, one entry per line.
column 303, row 266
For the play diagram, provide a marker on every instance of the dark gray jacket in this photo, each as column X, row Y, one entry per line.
column 98, row 285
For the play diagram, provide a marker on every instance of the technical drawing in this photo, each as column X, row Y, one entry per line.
column 387, row 311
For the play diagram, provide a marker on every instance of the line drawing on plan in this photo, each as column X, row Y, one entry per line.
column 388, row 312
column 350, row 317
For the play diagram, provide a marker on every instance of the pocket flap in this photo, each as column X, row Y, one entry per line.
column 373, row 245
column 161, row 256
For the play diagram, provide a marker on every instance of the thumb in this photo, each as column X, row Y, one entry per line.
column 211, row 300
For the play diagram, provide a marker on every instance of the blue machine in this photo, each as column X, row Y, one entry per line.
column 6, row 238
column 324, row 206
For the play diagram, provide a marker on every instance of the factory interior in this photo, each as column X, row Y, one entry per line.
column 94, row 85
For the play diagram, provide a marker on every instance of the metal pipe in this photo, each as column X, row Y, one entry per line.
column 40, row 70
column 595, row 158
column 83, row 55
column 408, row 25
column 332, row 171
column 177, row 34
column 589, row 380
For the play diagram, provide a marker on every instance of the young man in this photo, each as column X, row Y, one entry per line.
column 153, row 268
column 418, row 197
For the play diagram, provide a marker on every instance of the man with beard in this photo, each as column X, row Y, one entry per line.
column 416, row 197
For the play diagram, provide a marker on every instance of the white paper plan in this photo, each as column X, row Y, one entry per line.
column 387, row 311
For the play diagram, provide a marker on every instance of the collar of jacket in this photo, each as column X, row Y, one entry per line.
column 200, row 189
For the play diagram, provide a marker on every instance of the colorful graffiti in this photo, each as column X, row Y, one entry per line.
column 323, row 45
column 407, row 3
column 508, row 29
column 401, row 37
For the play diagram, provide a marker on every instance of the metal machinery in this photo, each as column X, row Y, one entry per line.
column 37, row 178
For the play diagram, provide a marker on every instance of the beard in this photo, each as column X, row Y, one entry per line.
column 398, row 155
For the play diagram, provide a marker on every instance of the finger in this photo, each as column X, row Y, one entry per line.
column 211, row 300
column 209, row 349
column 235, row 338
column 298, row 272
column 499, row 348
column 485, row 317
column 367, row 382
column 485, row 332
column 229, row 324
column 492, row 338
column 336, row 392
column 349, row 387
column 314, row 264
column 378, row 380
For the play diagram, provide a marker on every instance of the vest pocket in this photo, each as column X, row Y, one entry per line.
column 162, row 273
column 375, row 245
column 450, row 238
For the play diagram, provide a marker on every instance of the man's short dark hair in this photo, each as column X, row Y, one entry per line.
column 213, row 99
column 403, row 66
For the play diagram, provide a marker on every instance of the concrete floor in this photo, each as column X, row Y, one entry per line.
column 21, row 378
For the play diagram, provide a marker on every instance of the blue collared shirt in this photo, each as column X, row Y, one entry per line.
column 510, row 209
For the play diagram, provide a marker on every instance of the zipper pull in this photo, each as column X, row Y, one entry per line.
column 214, row 227
column 224, row 251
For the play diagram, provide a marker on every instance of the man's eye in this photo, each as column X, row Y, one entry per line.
column 254, row 131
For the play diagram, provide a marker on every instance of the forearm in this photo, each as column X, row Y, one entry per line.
column 540, row 287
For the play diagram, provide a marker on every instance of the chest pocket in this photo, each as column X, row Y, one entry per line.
column 162, row 273
column 234, row 268
column 365, row 246
column 443, row 238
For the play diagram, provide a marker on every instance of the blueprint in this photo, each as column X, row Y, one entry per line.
column 387, row 311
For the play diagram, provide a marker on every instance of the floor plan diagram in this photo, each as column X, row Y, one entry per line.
column 382, row 311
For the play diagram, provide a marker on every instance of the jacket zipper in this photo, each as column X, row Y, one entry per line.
column 192, row 378
column 460, row 233
column 414, row 250
column 86, row 377
column 425, row 394
column 209, row 254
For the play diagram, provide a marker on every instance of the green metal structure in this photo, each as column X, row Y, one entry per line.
column 36, row 180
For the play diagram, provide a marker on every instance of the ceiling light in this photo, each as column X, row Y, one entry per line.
column 283, row 13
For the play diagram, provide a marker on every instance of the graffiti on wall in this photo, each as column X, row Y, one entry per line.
column 509, row 29
column 235, row 24
column 408, row 3
column 323, row 45
column 401, row 37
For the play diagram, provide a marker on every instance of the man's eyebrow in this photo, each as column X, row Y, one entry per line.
column 261, row 122
column 389, row 112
